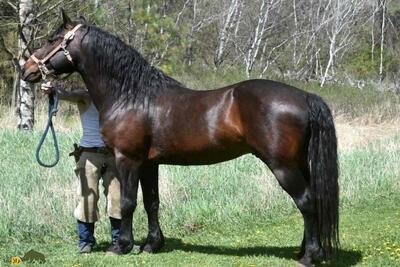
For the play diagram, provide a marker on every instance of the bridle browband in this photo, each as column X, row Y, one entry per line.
column 69, row 36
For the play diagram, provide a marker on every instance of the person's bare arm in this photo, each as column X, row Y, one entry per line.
column 78, row 95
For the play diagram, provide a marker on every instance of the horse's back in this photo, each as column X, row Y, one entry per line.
column 271, row 90
column 212, row 126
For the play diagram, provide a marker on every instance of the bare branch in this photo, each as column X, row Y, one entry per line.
column 178, row 17
column 12, row 6
column 47, row 10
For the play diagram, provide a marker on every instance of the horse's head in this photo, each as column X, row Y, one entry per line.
column 60, row 54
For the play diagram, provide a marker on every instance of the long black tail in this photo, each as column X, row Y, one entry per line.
column 324, row 172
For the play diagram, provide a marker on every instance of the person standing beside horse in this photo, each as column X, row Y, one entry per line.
column 93, row 161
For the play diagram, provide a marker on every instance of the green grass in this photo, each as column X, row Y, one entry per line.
column 229, row 214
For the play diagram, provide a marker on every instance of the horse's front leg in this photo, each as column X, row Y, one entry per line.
column 149, row 184
column 129, row 174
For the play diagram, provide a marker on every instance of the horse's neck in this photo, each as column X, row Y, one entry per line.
column 100, row 82
column 97, row 90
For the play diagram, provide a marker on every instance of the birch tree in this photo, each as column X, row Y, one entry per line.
column 374, row 9
column 312, row 29
column 258, row 34
column 9, row 9
column 228, row 24
column 202, row 15
column 25, row 110
column 383, row 4
column 340, row 31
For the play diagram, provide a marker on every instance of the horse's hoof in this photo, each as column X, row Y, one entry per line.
column 114, row 250
column 311, row 256
column 119, row 249
column 149, row 248
column 111, row 253
column 152, row 247
column 319, row 255
column 305, row 262
column 300, row 254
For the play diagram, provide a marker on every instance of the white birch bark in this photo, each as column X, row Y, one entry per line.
column 202, row 16
column 383, row 6
column 332, row 49
column 251, row 55
column 25, row 110
column 15, row 88
column 345, row 14
column 189, row 49
column 373, row 33
column 239, row 17
column 144, row 34
column 225, row 31
column 295, row 33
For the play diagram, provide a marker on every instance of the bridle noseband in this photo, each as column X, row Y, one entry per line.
column 69, row 36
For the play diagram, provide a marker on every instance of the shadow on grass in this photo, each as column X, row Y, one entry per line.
column 101, row 247
column 345, row 257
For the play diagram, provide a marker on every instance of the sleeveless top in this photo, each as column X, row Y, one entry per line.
column 90, row 125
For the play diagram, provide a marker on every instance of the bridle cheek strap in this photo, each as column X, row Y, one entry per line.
column 69, row 36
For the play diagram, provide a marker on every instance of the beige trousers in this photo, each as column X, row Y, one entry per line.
column 89, row 171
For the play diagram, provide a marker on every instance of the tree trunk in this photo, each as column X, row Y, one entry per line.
column 332, row 52
column 383, row 4
column 25, row 110
column 373, row 34
column 258, row 35
column 15, row 88
column 224, row 34
column 294, row 59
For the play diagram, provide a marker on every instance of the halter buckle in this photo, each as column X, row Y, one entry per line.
column 68, row 55
column 69, row 35
column 43, row 70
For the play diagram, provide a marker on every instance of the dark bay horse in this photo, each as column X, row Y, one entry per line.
column 148, row 118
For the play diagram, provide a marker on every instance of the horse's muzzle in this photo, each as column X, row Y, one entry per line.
column 30, row 73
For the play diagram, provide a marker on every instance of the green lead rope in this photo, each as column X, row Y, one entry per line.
column 53, row 108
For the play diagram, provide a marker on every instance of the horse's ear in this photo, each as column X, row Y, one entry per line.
column 66, row 20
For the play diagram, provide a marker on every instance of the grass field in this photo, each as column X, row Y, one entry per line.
column 229, row 214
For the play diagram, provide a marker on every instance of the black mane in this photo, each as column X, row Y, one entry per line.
column 130, row 78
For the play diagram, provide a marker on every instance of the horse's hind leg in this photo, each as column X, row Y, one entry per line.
column 294, row 181
column 149, row 183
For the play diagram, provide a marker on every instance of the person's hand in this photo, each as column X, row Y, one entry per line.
column 47, row 87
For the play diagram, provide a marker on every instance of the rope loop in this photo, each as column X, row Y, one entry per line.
column 52, row 111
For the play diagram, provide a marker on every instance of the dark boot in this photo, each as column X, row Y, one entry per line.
column 86, row 237
column 115, row 225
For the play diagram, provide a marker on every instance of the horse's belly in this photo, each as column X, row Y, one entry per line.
column 198, row 157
